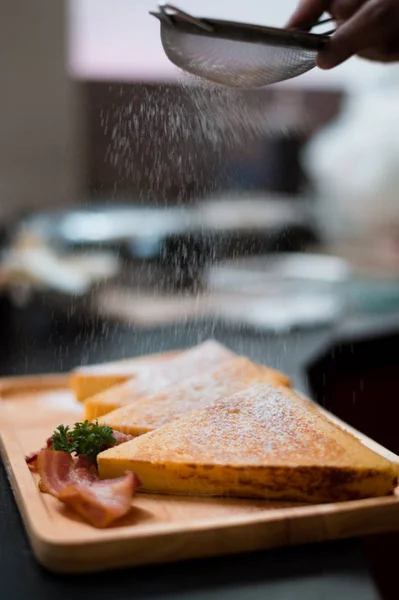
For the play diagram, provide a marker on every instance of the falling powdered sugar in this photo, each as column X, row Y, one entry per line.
column 170, row 139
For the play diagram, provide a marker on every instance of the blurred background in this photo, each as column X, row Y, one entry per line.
column 141, row 209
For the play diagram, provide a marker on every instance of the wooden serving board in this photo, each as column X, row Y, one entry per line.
column 159, row 528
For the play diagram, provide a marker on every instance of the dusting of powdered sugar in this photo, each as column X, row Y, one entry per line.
column 192, row 393
column 258, row 426
column 149, row 378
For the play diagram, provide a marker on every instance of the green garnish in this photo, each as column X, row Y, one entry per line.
column 61, row 439
column 91, row 438
column 85, row 439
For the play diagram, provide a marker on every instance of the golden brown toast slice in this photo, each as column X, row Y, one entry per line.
column 173, row 402
column 93, row 379
column 261, row 443
column 151, row 378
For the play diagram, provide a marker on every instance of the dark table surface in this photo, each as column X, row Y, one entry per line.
column 322, row 571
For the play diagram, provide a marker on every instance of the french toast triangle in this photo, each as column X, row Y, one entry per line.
column 260, row 443
column 175, row 401
column 152, row 377
column 93, row 379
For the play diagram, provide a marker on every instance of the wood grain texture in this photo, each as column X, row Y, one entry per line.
column 159, row 528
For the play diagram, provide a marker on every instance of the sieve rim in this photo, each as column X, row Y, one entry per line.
column 244, row 32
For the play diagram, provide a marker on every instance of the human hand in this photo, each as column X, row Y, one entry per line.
column 367, row 28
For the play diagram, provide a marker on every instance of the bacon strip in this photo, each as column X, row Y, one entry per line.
column 76, row 483
column 31, row 459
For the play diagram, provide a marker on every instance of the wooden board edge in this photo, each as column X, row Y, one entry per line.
column 199, row 542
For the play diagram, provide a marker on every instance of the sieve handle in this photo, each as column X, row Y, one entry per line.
column 308, row 28
column 168, row 10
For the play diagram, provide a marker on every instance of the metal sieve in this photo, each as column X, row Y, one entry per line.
column 237, row 54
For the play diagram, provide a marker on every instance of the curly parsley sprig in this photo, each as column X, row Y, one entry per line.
column 85, row 439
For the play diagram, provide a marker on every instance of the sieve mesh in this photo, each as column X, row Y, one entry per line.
column 236, row 63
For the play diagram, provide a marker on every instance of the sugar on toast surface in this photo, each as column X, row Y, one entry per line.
column 153, row 377
column 93, row 379
column 176, row 400
column 260, row 443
